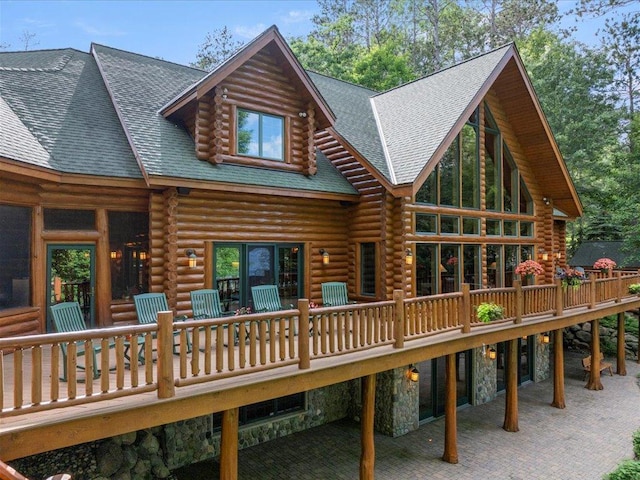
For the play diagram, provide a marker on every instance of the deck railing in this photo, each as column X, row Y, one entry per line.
column 10, row 473
column 213, row 349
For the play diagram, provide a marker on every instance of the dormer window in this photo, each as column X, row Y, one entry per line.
column 260, row 135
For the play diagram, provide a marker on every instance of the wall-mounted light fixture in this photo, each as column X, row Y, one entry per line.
column 545, row 338
column 558, row 255
column 191, row 255
column 114, row 254
column 546, row 201
column 489, row 353
column 225, row 93
column 302, row 114
column 325, row 256
column 413, row 373
column 543, row 254
column 408, row 257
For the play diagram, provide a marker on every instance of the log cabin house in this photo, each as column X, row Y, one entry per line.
column 166, row 178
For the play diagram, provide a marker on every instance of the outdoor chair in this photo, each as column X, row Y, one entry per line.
column 205, row 303
column 147, row 307
column 267, row 299
column 334, row 294
column 67, row 317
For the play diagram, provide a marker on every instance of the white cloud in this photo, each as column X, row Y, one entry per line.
column 250, row 32
column 297, row 16
column 98, row 31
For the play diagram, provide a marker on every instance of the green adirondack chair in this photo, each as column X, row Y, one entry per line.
column 205, row 303
column 147, row 307
column 67, row 317
column 266, row 298
column 334, row 294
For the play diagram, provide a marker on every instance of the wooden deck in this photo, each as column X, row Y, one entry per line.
column 297, row 351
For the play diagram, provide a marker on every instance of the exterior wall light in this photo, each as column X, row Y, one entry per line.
column 491, row 353
column 114, row 254
column 543, row 254
column 544, row 338
column 325, row 256
column 413, row 374
column 408, row 258
column 191, row 255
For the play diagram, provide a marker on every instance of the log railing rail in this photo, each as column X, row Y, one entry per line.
column 10, row 473
column 238, row 345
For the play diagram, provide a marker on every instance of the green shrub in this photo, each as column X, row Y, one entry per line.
column 627, row 470
column 608, row 348
column 489, row 311
column 634, row 288
column 636, row 444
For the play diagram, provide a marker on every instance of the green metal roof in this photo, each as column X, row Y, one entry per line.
column 56, row 114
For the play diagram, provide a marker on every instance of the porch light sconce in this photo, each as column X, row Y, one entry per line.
column 114, row 254
column 544, row 338
column 543, row 254
column 191, row 255
column 224, row 93
column 413, row 374
column 546, row 200
column 558, row 254
column 325, row 256
column 489, row 353
column 408, row 258
column 302, row 114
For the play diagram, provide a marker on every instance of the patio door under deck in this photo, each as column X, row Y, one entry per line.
column 71, row 278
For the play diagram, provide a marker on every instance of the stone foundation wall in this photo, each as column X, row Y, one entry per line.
column 397, row 403
column 578, row 337
column 484, row 377
column 154, row 453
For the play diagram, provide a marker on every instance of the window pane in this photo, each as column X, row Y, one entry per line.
column 492, row 170
column 449, row 268
column 471, row 226
column 494, row 266
column 449, row 225
column 511, row 262
column 272, row 128
column 472, row 275
column 426, row 223
column 470, row 174
column 368, row 269
column 428, row 193
column 510, row 178
column 248, row 133
column 526, row 229
column 227, row 276
column 493, row 227
column 526, row 203
column 15, row 241
column 449, row 177
column 510, row 228
column 57, row 219
column 260, row 265
column 129, row 245
column 288, row 274
column 426, row 268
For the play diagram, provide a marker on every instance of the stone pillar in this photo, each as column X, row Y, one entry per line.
column 397, row 409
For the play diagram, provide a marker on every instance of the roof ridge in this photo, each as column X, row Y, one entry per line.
column 449, row 67
column 64, row 59
column 94, row 44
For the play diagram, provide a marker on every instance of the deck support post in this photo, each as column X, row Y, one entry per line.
column 517, row 284
column 594, row 382
column 303, row 337
column 465, row 308
column 511, row 398
column 558, row 370
column 399, row 320
column 229, row 445
column 621, row 366
column 368, row 452
column 166, row 382
column 450, row 413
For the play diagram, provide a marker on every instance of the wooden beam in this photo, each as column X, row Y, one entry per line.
column 368, row 453
column 621, row 367
column 229, row 445
column 594, row 382
column 450, row 411
column 511, row 398
column 558, row 370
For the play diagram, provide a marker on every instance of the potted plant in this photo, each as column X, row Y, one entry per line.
column 488, row 312
column 529, row 269
column 571, row 278
column 634, row 288
column 605, row 265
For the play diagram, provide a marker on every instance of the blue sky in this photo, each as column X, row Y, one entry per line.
column 169, row 29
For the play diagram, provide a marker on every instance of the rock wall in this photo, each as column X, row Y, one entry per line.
column 397, row 403
column 578, row 337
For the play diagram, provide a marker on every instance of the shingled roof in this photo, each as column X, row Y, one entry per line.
column 56, row 114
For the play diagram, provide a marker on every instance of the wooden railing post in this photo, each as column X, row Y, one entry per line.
column 517, row 284
column 398, row 328
column 559, row 297
column 618, row 286
column 592, row 292
column 303, row 334
column 465, row 308
column 166, row 383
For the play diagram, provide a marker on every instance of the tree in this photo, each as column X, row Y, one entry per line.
column 381, row 69
column 217, row 47
column 27, row 39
